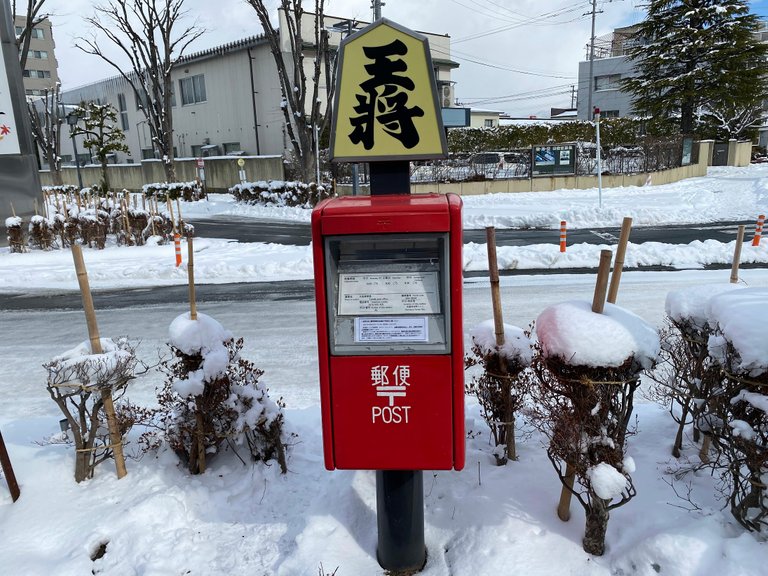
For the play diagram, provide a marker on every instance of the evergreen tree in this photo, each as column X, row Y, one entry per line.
column 699, row 66
column 102, row 136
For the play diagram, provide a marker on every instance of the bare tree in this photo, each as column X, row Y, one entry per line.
column 306, row 117
column 32, row 17
column 47, row 116
column 147, row 33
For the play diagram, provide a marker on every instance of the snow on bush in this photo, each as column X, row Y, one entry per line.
column 212, row 398
column 280, row 193
column 741, row 317
column 78, row 381
column 189, row 191
column 573, row 332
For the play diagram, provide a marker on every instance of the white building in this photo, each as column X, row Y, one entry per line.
column 227, row 99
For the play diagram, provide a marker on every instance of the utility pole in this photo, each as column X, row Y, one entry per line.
column 573, row 96
column 376, row 5
column 591, row 61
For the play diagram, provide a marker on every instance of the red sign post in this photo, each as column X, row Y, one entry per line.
column 388, row 290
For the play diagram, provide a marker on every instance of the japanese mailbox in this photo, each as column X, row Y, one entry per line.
column 388, row 281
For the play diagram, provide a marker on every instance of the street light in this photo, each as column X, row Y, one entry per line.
column 72, row 119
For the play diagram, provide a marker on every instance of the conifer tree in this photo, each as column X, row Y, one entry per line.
column 699, row 66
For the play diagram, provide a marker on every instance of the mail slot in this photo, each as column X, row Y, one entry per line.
column 388, row 284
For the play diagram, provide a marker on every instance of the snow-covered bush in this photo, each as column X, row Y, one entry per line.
column 15, row 233
column 41, row 232
column 212, row 398
column 503, row 386
column 189, row 191
column 738, row 410
column 77, row 382
column 686, row 377
column 588, row 369
column 280, row 193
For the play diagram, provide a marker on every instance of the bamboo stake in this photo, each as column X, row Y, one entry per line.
column 152, row 214
column 737, row 255
column 126, row 222
column 37, row 207
column 45, row 205
column 12, row 210
column 618, row 264
column 598, row 305
column 10, row 477
column 191, row 279
column 93, row 333
column 178, row 215
column 170, row 212
column 498, row 327
column 143, row 200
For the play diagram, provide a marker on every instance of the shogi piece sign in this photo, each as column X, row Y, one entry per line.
column 388, row 281
column 9, row 141
column 386, row 105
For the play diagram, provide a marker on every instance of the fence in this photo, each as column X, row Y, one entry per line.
column 221, row 172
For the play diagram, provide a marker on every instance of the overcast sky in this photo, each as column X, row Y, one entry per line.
column 519, row 56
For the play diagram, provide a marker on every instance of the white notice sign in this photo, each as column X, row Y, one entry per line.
column 409, row 329
column 9, row 140
column 388, row 293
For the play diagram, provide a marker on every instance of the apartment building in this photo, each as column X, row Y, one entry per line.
column 226, row 99
column 41, row 70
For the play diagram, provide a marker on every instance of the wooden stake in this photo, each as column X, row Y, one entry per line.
column 598, row 305
column 618, row 264
column 143, row 200
column 152, row 214
column 12, row 210
column 493, row 271
column 170, row 212
column 564, row 506
column 737, row 255
column 601, row 287
column 178, row 216
column 191, row 278
column 10, row 477
column 115, row 438
column 498, row 328
column 37, row 207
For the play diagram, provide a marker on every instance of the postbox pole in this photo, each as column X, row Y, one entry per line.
column 399, row 493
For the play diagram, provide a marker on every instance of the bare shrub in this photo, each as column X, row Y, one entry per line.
column 76, row 381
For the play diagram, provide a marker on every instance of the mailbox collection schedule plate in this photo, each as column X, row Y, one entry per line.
column 390, row 293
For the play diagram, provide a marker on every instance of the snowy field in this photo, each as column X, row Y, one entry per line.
column 246, row 520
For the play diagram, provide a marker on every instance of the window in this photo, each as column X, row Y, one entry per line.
column 141, row 100
column 36, row 73
column 147, row 153
column 197, row 150
column 38, row 33
column 609, row 113
column 39, row 54
column 488, row 123
column 609, row 82
column 123, row 109
column 231, row 147
column 192, row 89
column 19, row 30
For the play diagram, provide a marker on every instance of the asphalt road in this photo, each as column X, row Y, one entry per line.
column 250, row 230
column 245, row 229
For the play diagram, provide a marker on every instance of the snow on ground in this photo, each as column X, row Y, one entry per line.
column 239, row 520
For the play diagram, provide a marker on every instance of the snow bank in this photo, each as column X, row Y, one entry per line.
column 573, row 332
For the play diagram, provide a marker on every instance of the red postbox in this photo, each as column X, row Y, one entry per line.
column 388, row 285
